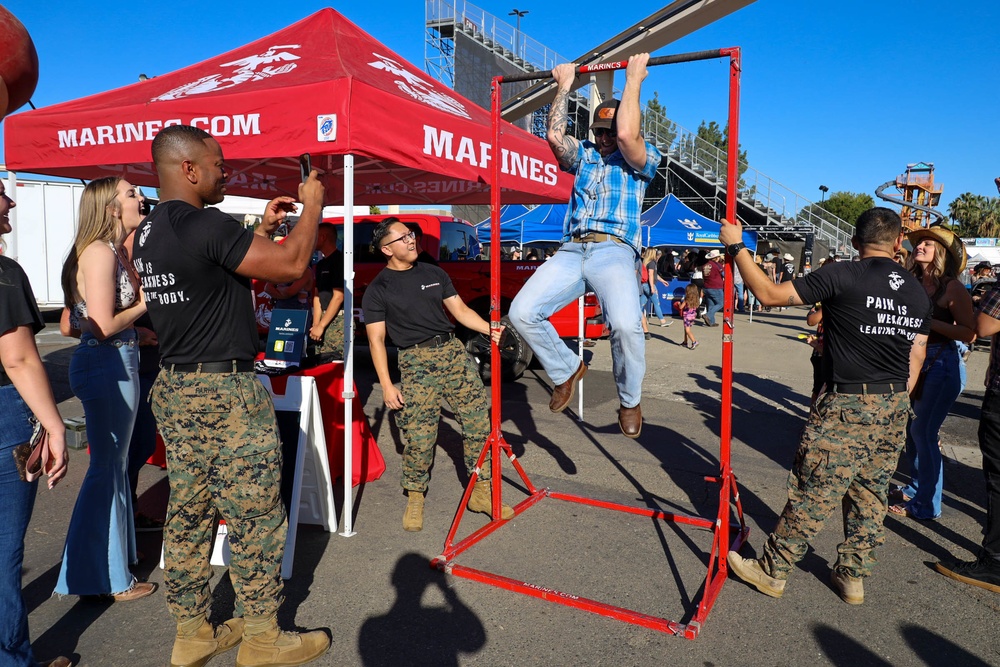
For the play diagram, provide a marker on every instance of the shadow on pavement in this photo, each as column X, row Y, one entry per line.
column 416, row 632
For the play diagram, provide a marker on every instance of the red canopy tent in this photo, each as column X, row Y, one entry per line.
column 379, row 130
column 321, row 86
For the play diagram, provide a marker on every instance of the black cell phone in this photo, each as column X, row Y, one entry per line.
column 305, row 166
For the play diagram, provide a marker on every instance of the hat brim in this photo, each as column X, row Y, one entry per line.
column 954, row 245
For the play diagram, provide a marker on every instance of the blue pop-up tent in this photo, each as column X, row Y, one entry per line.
column 542, row 223
column 670, row 223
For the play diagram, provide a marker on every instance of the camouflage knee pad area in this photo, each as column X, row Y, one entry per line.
column 428, row 376
column 223, row 454
column 848, row 451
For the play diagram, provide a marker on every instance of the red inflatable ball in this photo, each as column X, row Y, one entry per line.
column 18, row 64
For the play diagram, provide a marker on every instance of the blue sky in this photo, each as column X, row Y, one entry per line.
column 843, row 94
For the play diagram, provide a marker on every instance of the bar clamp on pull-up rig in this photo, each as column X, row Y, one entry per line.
column 729, row 500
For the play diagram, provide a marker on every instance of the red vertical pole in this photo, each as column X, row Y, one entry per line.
column 726, row 426
column 496, row 436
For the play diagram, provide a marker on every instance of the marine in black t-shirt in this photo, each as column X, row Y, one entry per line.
column 872, row 310
column 407, row 301
column 410, row 303
column 201, row 309
column 876, row 317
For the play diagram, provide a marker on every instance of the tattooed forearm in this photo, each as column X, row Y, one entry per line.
column 563, row 146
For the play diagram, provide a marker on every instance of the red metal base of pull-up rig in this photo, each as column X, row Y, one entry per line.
column 496, row 444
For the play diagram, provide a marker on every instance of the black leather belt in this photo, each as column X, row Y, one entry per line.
column 231, row 366
column 5, row 379
column 595, row 237
column 433, row 341
column 869, row 387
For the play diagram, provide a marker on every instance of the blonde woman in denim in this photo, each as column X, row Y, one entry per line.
column 937, row 259
column 24, row 392
column 103, row 296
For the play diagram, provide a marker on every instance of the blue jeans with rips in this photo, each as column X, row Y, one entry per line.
column 608, row 268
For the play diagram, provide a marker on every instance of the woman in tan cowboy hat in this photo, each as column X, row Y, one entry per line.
column 938, row 257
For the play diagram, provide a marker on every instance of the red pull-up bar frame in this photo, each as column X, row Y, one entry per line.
column 495, row 443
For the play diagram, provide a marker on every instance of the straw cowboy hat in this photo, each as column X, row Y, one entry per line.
column 951, row 242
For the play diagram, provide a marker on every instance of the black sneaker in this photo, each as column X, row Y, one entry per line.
column 983, row 572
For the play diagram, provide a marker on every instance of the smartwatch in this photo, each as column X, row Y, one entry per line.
column 734, row 249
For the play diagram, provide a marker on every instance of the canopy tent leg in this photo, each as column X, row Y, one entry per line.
column 348, row 510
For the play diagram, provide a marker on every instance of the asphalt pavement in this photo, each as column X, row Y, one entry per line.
column 385, row 606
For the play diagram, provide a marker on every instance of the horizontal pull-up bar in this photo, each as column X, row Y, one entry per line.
column 622, row 64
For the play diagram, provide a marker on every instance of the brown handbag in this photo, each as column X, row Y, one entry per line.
column 32, row 457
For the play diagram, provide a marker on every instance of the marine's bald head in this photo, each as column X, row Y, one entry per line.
column 177, row 143
column 190, row 165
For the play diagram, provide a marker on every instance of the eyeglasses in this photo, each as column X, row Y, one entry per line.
column 409, row 236
column 600, row 132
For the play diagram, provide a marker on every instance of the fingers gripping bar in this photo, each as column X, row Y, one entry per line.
column 622, row 64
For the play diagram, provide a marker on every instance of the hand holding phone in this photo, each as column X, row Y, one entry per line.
column 305, row 166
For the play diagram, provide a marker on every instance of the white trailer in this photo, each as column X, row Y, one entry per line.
column 44, row 223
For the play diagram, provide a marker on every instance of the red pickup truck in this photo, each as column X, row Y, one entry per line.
column 453, row 243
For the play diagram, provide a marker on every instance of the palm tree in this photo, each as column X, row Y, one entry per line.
column 966, row 211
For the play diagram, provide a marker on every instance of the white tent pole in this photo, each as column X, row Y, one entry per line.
column 348, row 346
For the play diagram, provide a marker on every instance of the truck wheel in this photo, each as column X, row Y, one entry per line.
column 515, row 355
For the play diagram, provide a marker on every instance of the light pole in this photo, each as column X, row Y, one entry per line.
column 823, row 189
column 519, row 13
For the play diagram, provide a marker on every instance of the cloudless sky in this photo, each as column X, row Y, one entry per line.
column 843, row 93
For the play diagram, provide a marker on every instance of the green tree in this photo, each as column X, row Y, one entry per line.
column 659, row 129
column 975, row 215
column 374, row 210
column 712, row 148
column 846, row 206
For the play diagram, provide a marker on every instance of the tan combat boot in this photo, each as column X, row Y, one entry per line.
column 850, row 589
column 198, row 642
column 265, row 645
column 482, row 501
column 413, row 517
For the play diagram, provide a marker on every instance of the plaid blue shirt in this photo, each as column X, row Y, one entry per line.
column 607, row 194
column 990, row 305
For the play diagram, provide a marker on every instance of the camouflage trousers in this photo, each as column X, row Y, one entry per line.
column 849, row 448
column 429, row 375
column 223, row 455
column 332, row 343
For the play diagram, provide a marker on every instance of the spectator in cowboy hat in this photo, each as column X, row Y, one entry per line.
column 712, row 274
column 982, row 271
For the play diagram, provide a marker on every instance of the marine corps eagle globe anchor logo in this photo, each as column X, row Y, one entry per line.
column 245, row 69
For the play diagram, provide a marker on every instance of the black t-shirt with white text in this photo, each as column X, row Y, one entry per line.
column 201, row 309
column 872, row 310
column 411, row 303
column 329, row 276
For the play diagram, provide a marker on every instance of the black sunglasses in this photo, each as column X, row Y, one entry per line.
column 599, row 132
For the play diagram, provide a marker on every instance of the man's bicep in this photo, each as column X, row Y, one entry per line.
column 787, row 295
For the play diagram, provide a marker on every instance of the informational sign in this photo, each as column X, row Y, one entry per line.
column 287, row 337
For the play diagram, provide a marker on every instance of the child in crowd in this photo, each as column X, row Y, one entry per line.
column 689, row 311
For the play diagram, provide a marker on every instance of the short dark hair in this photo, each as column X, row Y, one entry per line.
column 380, row 232
column 878, row 226
column 176, row 138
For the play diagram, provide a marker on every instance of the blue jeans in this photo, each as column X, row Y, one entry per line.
column 100, row 542
column 942, row 385
column 143, row 442
column 17, row 499
column 713, row 304
column 608, row 268
column 647, row 297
